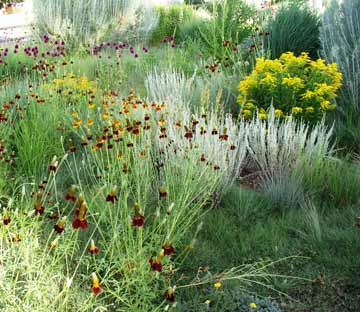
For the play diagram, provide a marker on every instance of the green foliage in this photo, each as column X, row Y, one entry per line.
column 243, row 302
column 169, row 20
column 283, row 191
column 229, row 24
column 340, row 37
column 322, row 180
column 293, row 85
column 194, row 2
column 295, row 28
column 37, row 126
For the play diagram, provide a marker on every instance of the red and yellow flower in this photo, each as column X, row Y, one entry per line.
column 96, row 286
column 168, row 248
column 138, row 219
column 39, row 208
column 155, row 264
column 60, row 226
column 93, row 249
column 80, row 217
column 112, row 197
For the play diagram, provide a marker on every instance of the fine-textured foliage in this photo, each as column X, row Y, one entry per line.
column 340, row 36
column 279, row 145
column 169, row 20
column 81, row 22
column 295, row 28
column 230, row 23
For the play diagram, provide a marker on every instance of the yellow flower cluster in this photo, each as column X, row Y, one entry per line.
column 294, row 85
column 70, row 84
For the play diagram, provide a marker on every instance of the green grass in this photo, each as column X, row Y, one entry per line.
column 243, row 229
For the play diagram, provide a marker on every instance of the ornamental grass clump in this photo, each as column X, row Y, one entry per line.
column 276, row 145
column 294, row 85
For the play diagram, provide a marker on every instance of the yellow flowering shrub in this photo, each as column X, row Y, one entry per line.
column 293, row 85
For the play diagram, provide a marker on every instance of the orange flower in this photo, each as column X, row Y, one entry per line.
column 96, row 287
column 77, row 123
column 90, row 122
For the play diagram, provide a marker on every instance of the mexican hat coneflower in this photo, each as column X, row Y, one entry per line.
column 39, row 208
column 60, row 226
column 112, row 197
column 93, row 249
column 155, row 264
column 80, row 217
column 168, row 248
column 70, row 195
column 96, row 286
column 170, row 294
column 138, row 219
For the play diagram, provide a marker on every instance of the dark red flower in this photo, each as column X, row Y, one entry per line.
column 93, row 249
column 357, row 224
column 170, row 294
column 70, row 195
column 155, row 264
column 54, row 215
column 168, row 248
column 39, row 209
column 53, row 165
column 188, row 135
column 79, row 219
column 112, row 197
column 162, row 192
column 6, row 219
column 223, row 137
column 138, row 219
column 96, row 287
column 60, row 226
